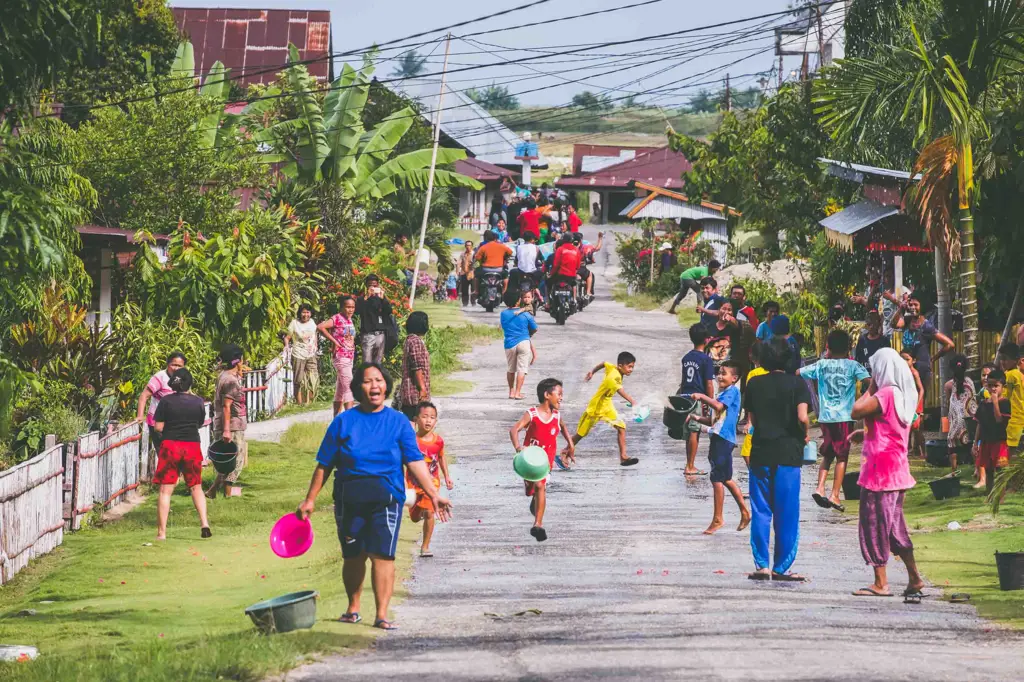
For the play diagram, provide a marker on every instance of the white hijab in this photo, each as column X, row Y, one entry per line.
column 889, row 369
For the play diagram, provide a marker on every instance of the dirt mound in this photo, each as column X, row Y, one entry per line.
column 786, row 274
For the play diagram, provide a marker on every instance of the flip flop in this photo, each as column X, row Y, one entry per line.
column 560, row 464
column 629, row 462
column 788, row 578
column 426, row 555
column 869, row 592
column 759, row 576
column 698, row 472
column 821, row 501
column 838, row 507
column 913, row 596
column 382, row 624
column 350, row 618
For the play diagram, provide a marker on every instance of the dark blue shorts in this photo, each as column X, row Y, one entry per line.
column 370, row 527
column 720, row 456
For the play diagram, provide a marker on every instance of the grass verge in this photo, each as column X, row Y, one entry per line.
column 450, row 336
column 108, row 606
column 643, row 301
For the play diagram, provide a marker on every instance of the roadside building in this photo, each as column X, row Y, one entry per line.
column 474, row 205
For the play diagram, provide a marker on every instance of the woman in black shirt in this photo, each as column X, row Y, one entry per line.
column 179, row 417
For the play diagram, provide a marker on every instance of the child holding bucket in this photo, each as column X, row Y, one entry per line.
column 542, row 424
column 600, row 407
column 432, row 447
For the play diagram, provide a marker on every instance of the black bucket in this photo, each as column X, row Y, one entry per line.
column 948, row 486
column 678, row 434
column 223, row 454
column 851, row 489
column 936, row 453
column 1011, row 570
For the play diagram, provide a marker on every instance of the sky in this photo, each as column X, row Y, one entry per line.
column 664, row 72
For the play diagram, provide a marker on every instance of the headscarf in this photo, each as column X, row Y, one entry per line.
column 889, row 369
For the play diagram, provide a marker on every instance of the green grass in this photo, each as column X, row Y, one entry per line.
column 315, row 406
column 122, row 610
column 643, row 301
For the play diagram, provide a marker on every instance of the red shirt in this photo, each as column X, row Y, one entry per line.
column 574, row 222
column 544, row 433
column 751, row 316
column 529, row 221
column 567, row 261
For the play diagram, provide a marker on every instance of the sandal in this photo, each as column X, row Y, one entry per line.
column 837, row 506
column 788, row 577
column 821, row 501
column 759, row 575
column 698, row 472
column 353, row 617
column 913, row 595
column 870, row 591
column 382, row 624
column 628, row 462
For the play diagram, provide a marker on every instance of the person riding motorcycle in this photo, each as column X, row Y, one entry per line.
column 587, row 252
column 527, row 264
column 565, row 265
column 491, row 255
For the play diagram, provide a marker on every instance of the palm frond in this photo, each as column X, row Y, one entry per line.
column 930, row 198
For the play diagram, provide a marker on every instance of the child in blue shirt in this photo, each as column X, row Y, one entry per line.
column 698, row 377
column 723, row 441
column 837, row 376
column 764, row 330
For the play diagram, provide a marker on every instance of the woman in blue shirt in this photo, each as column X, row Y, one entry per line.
column 367, row 448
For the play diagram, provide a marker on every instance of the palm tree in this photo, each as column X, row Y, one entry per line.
column 410, row 65
column 402, row 214
column 940, row 82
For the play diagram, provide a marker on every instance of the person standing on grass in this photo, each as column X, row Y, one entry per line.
column 340, row 330
column 229, row 418
column 302, row 340
column 179, row 417
column 519, row 326
column 465, row 272
column 692, row 279
column 777, row 404
column 837, row 376
column 432, row 448
column 158, row 388
column 698, row 377
column 1013, row 388
column 415, row 386
column 366, row 449
column 963, row 404
column 888, row 409
column 374, row 311
column 991, row 451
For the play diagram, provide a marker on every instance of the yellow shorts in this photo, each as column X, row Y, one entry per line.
column 589, row 420
column 748, row 443
column 1014, row 430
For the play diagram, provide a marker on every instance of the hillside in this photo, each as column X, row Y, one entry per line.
column 649, row 121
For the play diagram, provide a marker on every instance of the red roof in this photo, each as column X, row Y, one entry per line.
column 581, row 150
column 483, row 171
column 253, row 43
column 661, row 167
column 115, row 234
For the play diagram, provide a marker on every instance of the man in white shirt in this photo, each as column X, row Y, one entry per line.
column 527, row 257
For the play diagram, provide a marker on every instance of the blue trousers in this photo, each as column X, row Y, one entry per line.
column 775, row 501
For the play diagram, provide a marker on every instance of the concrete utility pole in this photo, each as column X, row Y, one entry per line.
column 430, row 179
column 728, row 95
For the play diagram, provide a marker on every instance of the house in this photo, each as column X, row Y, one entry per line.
column 613, row 184
column 253, row 43
column 588, row 158
column 102, row 248
column 706, row 221
column 474, row 205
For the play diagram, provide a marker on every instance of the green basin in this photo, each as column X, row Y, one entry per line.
column 285, row 613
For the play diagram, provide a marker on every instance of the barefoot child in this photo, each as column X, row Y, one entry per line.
column 837, row 376
column 601, row 408
column 723, row 441
column 432, row 446
column 698, row 377
column 959, row 394
column 993, row 414
column 542, row 424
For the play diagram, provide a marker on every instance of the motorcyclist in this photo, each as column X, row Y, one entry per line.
column 565, row 265
column 587, row 252
column 527, row 261
column 491, row 255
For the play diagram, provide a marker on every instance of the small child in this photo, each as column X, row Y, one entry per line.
column 600, row 407
column 432, row 446
column 452, row 285
column 837, row 376
column 985, row 370
column 542, row 424
column 1010, row 360
column 963, row 405
column 991, row 451
column 698, row 377
column 764, row 330
column 758, row 370
column 916, row 438
column 723, row 441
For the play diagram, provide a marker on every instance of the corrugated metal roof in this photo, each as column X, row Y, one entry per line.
column 592, row 164
column 466, row 122
column 858, row 216
column 661, row 167
column 662, row 207
column 482, row 170
column 254, row 42
column 857, row 171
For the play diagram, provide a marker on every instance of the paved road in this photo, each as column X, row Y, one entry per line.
column 628, row 586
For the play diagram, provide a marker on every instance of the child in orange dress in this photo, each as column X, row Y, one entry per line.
column 432, row 446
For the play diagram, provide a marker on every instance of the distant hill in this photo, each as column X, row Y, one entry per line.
column 650, row 121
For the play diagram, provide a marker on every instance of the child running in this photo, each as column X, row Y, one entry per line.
column 723, row 441
column 991, row 451
column 600, row 407
column 837, row 376
column 698, row 377
column 432, row 446
column 542, row 424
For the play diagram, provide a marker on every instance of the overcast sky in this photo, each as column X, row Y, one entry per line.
column 675, row 67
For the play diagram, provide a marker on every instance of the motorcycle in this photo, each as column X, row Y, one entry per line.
column 561, row 302
column 518, row 284
column 489, row 294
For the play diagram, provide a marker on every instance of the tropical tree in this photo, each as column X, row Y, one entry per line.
column 402, row 214
column 590, row 100
column 410, row 65
column 940, row 83
column 494, row 97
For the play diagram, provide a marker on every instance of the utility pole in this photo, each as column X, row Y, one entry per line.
column 430, row 178
column 821, row 40
column 728, row 95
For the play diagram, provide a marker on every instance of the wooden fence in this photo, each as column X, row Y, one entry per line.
column 31, row 519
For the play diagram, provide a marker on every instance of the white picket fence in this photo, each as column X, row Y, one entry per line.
column 52, row 492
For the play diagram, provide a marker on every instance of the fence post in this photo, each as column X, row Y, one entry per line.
column 70, row 475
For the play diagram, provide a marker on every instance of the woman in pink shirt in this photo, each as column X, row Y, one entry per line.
column 888, row 408
column 341, row 331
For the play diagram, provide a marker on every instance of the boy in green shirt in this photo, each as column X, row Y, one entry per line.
column 690, row 279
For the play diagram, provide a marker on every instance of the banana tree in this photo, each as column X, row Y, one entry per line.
column 328, row 143
column 217, row 127
column 938, row 82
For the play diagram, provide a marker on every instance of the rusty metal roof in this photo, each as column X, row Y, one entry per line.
column 661, row 167
column 253, row 43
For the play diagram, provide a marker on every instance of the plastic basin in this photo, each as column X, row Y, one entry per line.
column 223, row 455
column 291, row 536
column 943, row 488
column 531, row 463
column 294, row 611
column 851, row 489
column 1011, row 570
column 936, row 453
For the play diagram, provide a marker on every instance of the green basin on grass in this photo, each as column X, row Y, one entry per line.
column 288, row 612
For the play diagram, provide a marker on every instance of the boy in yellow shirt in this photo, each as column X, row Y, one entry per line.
column 1010, row 360
column 758, row 370
column 601, row 408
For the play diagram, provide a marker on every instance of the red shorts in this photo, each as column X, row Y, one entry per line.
column 993, row 455
column 834, row 445
column 531, row 487
column 179, row 455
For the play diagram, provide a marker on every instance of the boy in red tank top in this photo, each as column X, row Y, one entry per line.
column 542, row 424
column 432, row 446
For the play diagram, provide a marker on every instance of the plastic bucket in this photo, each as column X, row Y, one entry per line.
column 1011, row 570
column 291, row 537
column 678, row 434
column 223, row 455
column 943, row 488
column 936, row 453
column 288, row 612
column 641, row 413
column 851, row 489
column 531, row 463
column 811, row 452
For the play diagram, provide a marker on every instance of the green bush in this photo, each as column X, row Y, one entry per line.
column 40, row 411
column 759, row 291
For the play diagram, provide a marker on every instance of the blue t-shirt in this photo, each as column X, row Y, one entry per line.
column 698, row 369
column 712, row 303
column 837, row 387
column 360, row 444
column 764, row 332
column 725, row 427
column 517, row 328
